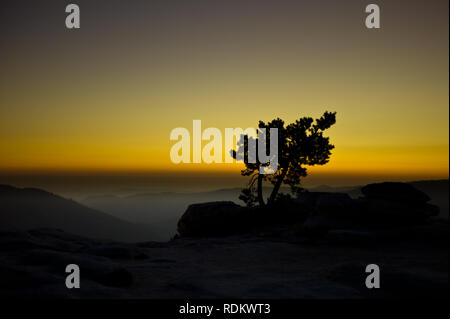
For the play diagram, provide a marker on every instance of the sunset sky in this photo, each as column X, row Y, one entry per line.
column 104, row 98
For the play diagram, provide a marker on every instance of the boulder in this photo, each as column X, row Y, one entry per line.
column 398, row 192
column 338, row 205
column 286, row 212
column 211, row 219
column 381, row 211
column 335, row 205
column 337, row 211
column 329, row 211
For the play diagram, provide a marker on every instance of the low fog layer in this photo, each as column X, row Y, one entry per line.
column 139, row 217
column 162, row 210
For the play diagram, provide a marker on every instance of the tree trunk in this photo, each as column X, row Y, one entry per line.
column 260, row 193
column 277, row 186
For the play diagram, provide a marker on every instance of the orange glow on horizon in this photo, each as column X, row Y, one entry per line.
column 104, row 100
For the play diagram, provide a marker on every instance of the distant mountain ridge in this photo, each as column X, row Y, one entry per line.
column 139, row 217
column 166, row 208
column 27, row 208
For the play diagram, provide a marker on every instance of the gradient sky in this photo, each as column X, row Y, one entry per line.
column 104, row 98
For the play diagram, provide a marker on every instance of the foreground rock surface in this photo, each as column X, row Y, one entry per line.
column 314, row 247
column 272, row 264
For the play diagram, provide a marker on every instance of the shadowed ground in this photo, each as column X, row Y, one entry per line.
column 276, row 264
